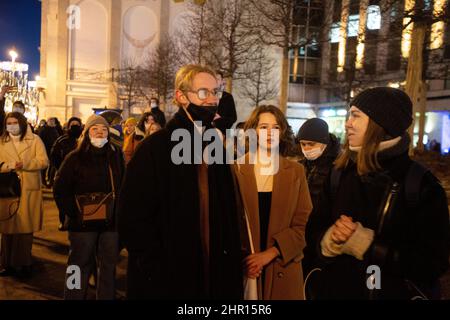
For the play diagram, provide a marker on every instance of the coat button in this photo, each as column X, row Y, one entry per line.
column 280, row 274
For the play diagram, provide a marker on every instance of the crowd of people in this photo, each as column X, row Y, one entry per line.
column 304, row 220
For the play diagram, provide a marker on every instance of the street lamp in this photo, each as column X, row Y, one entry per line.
column 13, row 55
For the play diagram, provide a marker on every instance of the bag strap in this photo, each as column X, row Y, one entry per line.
column 112, row 181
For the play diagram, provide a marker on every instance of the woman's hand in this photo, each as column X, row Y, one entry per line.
column 254, row 263
column 19, row 166
column 343, row 229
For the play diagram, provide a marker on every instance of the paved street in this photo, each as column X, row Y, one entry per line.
column 50, row 252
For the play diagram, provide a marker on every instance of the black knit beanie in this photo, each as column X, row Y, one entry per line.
column 390, row 108
column 314, row 129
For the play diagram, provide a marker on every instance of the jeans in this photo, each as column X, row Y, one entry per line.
column 84, row 248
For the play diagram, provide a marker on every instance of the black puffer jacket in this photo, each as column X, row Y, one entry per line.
column 85, row 172
column 318, row 170
column 417, row 239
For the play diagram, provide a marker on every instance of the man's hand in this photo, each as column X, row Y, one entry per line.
column 254, row 263
column 343, row 229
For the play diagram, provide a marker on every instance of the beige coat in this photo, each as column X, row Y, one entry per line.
column 31, row 151
column 290, row 209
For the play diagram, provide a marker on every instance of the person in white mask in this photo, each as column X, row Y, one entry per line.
column 319, row 149
column 18, row 106
column 21, row 152
column 95, row 168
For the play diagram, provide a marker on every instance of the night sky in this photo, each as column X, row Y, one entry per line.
column 20, row 27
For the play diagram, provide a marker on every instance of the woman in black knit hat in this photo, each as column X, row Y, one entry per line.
column 381, row 226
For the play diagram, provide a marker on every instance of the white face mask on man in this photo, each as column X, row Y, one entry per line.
column 18, row 109
column 313, row 154
column 98, row 142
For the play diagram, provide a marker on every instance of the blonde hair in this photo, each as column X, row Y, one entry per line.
column 366, row 160
column 186, row 74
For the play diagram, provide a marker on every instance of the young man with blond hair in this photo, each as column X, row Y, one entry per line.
column 179, row 221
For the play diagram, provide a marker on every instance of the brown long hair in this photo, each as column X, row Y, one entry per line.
column 253, row 120
column 23, row 124
column 366, row 160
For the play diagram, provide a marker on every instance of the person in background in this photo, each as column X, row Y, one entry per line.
column 40, row 126
column 66, row 143
column 129, row 127
column 23, row 152
column 95, row 166
column 147, row 119
column 158, row 115
column 226, row 112
column 4, row 90
column 49, row 134
column 154, row 127
column 133, row 137
column 319, row 150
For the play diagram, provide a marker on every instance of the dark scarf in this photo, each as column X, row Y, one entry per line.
column 225, row 271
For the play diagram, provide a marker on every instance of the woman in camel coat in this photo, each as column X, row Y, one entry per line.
column 277, row 208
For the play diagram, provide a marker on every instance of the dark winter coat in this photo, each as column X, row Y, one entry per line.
column 85, row 172
column 62, row 147
column 49, row 135
column 159, row 223
column 227, row 111
column 417, row 238
column 318, row 170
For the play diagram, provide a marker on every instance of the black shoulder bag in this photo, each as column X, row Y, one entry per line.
column 10, row 190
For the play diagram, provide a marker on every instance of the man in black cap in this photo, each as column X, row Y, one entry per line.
column 320, row 149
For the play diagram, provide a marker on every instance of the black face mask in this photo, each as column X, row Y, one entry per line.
column 75, row 131
column 205, row 114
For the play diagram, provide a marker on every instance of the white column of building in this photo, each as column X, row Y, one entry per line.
column 55, row 55
column 115, row 20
